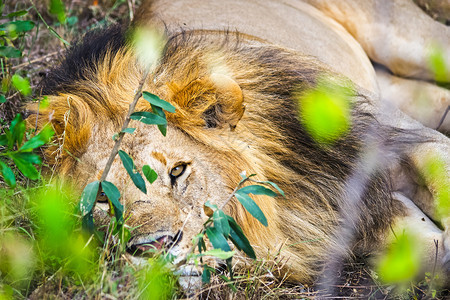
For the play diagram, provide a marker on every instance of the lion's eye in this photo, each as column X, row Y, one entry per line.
column 177, row 171
column 102, row 198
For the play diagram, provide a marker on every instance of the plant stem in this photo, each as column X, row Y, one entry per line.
column 48, row 26
column 119, row 139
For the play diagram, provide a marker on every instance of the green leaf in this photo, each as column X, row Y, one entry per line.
column 88, row 197
column 156, row 101
column 87, row 222
column 57, row 9
column 17, row 130
column 129, row 130
column 2, row 97
column 3, row 140
column 38, row 140
column 113, row 194
column 160, row 112
column 221, row 222
column 148, row 118
column 206, row 275
column 219, row 253
column 149, row 173
column 10, row 52
column 273, row 184
column 29, row 157
column 21, row 84
column 217, row 239
column 251, row 206
column 8, row 175
column 257, row 190
column 18, row 13
column 239, row 239
column 135, row 176
column 17, row 26
column 27, row 168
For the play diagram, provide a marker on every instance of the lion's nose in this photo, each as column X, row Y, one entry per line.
column 156, row 244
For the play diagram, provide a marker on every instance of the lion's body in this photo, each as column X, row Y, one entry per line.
column 209, row 75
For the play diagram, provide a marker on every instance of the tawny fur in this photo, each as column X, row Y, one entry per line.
column 276, row 147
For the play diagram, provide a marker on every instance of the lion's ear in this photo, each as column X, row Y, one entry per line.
column 212, row 101
column 229, row 107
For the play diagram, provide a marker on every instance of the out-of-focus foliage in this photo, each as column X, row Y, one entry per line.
column 401, row 262
column 325, row 110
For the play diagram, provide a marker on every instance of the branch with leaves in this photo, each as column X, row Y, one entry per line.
column 221, row 228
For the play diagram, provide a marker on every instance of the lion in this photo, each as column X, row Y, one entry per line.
column 236, row 73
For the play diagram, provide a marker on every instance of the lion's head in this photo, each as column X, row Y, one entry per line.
column 236, row 111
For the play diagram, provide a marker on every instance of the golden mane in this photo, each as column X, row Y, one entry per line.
column 268, row 140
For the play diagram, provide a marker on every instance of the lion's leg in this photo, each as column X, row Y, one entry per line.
column 420, row 100
column 397, row 34
column 427, row 236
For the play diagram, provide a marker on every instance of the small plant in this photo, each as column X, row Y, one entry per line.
column 221, row 228
column 12, row 37
column 16, row 150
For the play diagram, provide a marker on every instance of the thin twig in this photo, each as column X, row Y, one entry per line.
column 119, row 139
column 34, row 60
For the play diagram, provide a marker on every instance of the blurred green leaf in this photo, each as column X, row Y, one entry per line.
column 251, row 206
column 113, row 194
column 217, row 239
column 149, row 173
column 135, row 176
column 221, row 222
column 8, row 175
column 401, row 263
column 61, row 245
column 57, row 9
column 436, row 172
column 438, row 66
column 239, row 239
column 325, row 111
column 156, row 101
column 257, row 190
column 17, row 26
column 88, row 197
column 21, row 84
column 10, row 52
column 156, row 281
column 148, row 118
column 44, row 102
column 38, row 140
column 2, row 97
